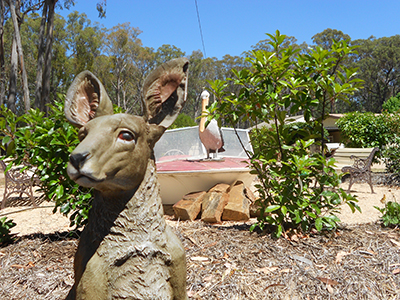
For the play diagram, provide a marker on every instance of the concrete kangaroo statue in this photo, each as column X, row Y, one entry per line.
column 126, row 251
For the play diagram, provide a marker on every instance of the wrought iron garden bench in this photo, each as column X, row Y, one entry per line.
column 17, row 182
column 361, row 169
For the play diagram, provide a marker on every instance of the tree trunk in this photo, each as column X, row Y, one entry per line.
column 124, row 98
column 40, row 60
column 117, row 88
column 12, row 90
column 21, row 56
column 2, row 61
column 49, row 43
column 118, row 93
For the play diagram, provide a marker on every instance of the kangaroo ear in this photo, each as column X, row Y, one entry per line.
column 86, row 99
column 164, row 92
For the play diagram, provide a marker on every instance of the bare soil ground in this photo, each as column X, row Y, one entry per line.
column 359, row 261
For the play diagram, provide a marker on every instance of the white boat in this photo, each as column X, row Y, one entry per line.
column 182, row 168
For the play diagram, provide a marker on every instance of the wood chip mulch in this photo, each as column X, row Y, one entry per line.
column 229, row 262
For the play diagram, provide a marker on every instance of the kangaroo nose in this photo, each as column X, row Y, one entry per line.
column 78, row 159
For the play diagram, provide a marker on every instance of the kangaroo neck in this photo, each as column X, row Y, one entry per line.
column 130, row 215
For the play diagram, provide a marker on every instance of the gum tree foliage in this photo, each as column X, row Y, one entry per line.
column 326, row 38
column 55, row 50
column 378, row 61
column 166, row 52
column 15, row 11
column 204, row 69
column 298, row 189
column 119, row 43
column 84, row 41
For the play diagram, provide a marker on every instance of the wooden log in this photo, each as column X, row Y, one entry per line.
column 220, row 187
column 189, row 207
column 238, row 207
column 213, row 206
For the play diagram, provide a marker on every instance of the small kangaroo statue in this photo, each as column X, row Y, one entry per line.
column 126, row 251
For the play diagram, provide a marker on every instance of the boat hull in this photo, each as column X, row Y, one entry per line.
column 174, row 185
column 180, row 177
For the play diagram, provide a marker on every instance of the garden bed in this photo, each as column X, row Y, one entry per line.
column 359, row 261
column 229, row 262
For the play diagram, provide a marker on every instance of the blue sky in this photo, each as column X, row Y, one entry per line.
column 231, row 27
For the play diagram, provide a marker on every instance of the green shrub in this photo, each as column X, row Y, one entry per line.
column 45, row 143
column 392, row 105
column 5, row 226
column 392, row 158
column 367, row 130
column 298, row 188
column 390, row 214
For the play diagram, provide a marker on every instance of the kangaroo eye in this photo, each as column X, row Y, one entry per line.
column 126, row 136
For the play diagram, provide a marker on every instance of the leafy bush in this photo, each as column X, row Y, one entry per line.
column 298, row 188
column 390, row 214
column 45, row 143
column 5, row 226
column 392, row 158
column 367, row 130
column 291, row 133
column 392, row 105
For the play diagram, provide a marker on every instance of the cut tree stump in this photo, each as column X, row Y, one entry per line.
column 214, row 202
column 220, row 187
column 238, row 207
column 222, row 202
column 189, row 207
column 254, row 209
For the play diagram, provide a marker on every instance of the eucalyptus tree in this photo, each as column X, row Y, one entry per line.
column 199, row 71
column 167, row 52
column 143, row 61
column 43, row 71
column 29, row 37
column 119, row 44
column 203, row 70
column 328, row 37
column 378, row 61
column 17, row 52
column 62, row 67
column 46, row 36
column 17, row 11
column 2, row 60
column 84, row 41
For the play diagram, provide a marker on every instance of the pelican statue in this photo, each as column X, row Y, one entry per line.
column 210, row 136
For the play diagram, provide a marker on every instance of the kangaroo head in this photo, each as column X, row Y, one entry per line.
column 114, row 149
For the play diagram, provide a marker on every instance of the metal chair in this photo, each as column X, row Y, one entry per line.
column 361, row 169
column 19, row 182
